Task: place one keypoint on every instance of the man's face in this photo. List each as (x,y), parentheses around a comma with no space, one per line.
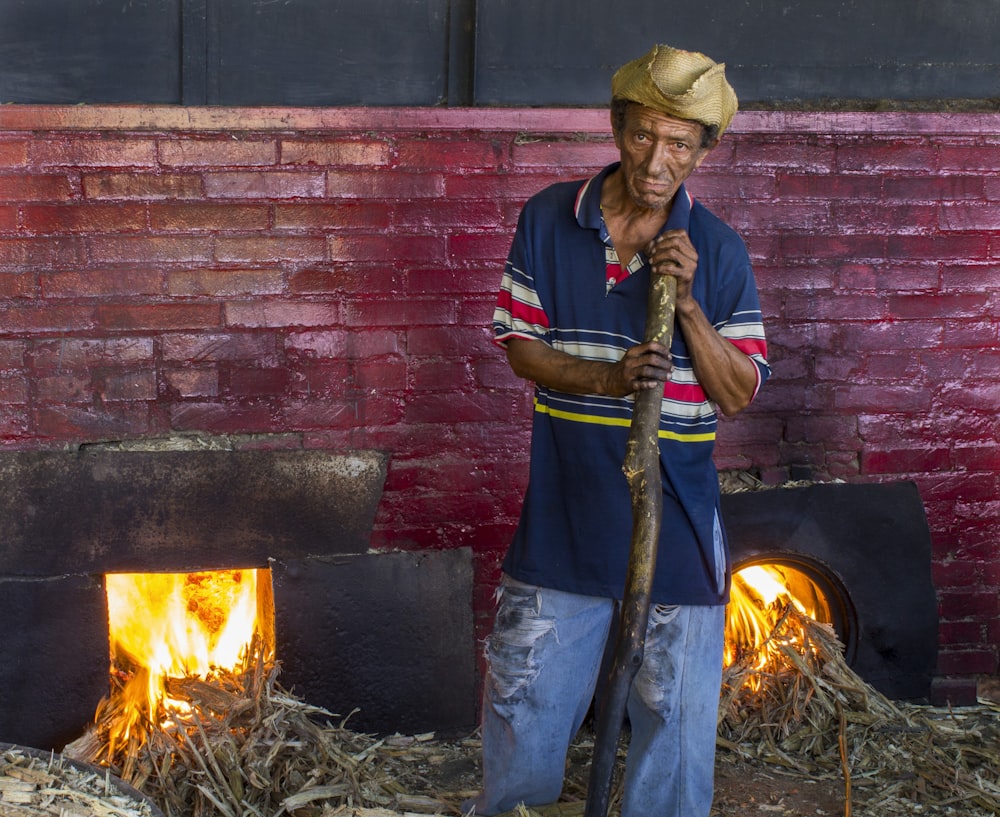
(658,152)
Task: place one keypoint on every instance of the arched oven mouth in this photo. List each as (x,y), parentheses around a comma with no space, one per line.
(866,548)
(810,581)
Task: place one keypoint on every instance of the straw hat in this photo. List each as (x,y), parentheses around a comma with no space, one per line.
(684,84)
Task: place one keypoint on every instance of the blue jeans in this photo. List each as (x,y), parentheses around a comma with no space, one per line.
(544,662)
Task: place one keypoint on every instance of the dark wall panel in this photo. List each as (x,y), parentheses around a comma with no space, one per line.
(563,52)
(328,52)
(69,51)
(486,52)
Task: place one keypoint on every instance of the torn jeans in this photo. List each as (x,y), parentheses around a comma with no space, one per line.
(545,657)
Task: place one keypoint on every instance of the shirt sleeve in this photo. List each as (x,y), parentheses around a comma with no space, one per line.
(519,312)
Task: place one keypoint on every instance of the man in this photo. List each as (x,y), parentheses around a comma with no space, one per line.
(571,316)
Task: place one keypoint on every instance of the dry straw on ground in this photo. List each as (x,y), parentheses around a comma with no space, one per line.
(248,748)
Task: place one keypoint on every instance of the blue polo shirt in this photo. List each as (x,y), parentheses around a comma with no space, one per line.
(563,285)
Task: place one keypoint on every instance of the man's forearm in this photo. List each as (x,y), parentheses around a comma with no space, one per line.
(642,367)
(728,377)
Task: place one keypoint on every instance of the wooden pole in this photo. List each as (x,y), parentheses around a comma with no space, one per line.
(642,470)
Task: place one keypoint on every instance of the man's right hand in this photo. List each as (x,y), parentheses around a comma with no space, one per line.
(646,366)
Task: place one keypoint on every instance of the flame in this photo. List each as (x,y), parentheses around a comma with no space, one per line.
(174,625)
(760,595)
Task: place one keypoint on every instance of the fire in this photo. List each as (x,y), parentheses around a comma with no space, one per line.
(760,595)
(175,625)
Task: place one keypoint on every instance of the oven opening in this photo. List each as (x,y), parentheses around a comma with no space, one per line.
(765,588)
(167,628)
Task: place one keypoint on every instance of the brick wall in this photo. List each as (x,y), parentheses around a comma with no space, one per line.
(324,279)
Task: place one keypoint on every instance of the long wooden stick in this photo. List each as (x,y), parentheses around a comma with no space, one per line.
(642,470)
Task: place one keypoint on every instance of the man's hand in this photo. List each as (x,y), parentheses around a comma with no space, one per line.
(645,366)
(671,253)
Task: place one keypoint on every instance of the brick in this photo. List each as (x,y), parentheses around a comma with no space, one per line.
(270,248)
(341,343)
(14,423)
(18,284)
(788,153)
(264,185)
(141,186)
(432,153)
(383,186)
(743,186)
(158,317)
(217,152)
(256,381)
(27,320)
(476,246)
(974,397)
(14,389)
(877,156)
(53,251)
(225,282)
(192,382)
(126,386)
(324,378)
(8,218)
(399,313)
(261,347)
(969,217)
(501,187)
(364,153)
(86,218)
(222,418)
(347,215)
(280,314)
(440,213)
(94,152)
(940,247)
(858,307)
(113,421)
(82,353)
(99,283)
(147,249)
(969,276)
(838,247)
(963,158)
(456,408)
(13,153)
(381,376)
(386,248)
(343,413)
(828,187)
(442,375)
(187,217)
(12,353)
(883,398)
(71,387)
(559,154)
(906,460)
(954,306)
(879,217)
(935,188)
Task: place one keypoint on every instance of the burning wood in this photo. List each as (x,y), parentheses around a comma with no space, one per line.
(232,743)
(803,709)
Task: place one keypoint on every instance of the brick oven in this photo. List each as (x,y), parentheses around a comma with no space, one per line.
(387,634)
(322,280)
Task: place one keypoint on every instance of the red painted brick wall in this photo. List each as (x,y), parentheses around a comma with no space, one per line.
(324,279)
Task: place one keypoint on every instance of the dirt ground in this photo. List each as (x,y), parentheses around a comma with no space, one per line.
(743,788)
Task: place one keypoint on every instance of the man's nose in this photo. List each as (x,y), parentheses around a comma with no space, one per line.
(659,160)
